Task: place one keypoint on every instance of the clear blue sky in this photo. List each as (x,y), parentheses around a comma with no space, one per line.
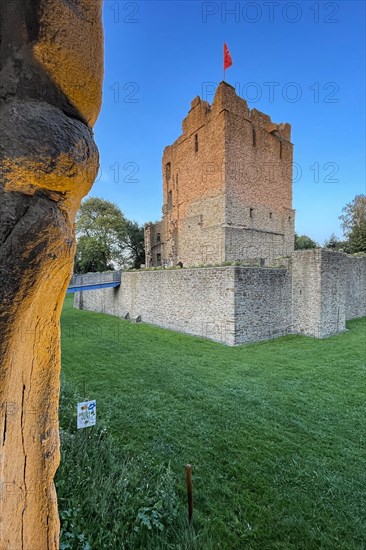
(160,55)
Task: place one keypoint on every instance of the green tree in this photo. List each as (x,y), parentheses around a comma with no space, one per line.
(100,230)
(335,244)
(332,242)
(354,224)
(91,255)
(134,243)
(303,242)
(106,240)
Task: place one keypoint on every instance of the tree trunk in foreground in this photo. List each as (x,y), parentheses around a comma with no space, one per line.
(51,62)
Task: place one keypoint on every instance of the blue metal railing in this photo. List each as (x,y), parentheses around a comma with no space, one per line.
(94,281)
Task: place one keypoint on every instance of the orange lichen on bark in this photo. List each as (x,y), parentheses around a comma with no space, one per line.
(76,67)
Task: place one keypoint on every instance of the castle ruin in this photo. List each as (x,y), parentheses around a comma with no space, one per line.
(227,199)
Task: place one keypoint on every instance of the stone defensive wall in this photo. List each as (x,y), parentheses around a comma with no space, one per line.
(314,294)
(328,288)
(226,304)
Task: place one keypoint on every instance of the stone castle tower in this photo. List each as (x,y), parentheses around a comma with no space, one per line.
(227,188)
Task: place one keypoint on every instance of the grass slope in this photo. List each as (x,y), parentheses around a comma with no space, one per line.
(274,431)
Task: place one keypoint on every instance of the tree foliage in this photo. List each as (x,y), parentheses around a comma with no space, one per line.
(303,242)
(353,222)
(134,243)
(105,238)
(92,255)
(333,243)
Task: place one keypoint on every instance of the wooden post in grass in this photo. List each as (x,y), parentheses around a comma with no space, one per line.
(189,492)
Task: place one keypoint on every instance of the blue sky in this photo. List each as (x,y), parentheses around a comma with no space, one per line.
(300,62)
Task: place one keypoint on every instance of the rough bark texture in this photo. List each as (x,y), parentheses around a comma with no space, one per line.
(51,62)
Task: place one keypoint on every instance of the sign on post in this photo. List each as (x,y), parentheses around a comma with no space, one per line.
(86,414)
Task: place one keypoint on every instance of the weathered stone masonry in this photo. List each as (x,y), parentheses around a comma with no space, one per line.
(328,288)
(206,302)
(317,292)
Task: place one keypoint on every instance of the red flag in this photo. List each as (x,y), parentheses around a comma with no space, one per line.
(227,58)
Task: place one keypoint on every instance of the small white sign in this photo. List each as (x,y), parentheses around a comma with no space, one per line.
(87,414)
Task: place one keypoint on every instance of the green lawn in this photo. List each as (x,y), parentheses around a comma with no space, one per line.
(275,433)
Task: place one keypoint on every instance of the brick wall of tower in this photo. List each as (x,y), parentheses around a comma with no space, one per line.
(193,193)
(258,177)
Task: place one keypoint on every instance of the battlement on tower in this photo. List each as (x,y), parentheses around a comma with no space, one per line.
(226,99)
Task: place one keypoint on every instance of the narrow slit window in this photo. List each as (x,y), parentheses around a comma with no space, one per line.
(270,215)
(251,210)
(196,143)
(158,239)
(254,138)
(167,171)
